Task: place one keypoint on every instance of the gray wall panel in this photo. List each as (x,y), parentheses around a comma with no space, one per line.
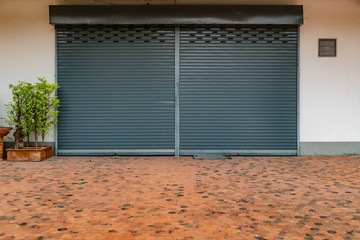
(329,148)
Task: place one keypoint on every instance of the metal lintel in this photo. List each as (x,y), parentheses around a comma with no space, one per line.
(177,14)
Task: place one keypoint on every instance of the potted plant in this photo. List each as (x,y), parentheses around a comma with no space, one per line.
(33,110)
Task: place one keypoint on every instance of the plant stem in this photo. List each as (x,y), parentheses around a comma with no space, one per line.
(43,138)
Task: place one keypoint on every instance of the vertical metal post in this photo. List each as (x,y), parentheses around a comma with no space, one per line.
(298,91)
(177,91)
(56,67)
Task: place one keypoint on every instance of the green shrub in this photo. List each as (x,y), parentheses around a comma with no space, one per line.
(33,110)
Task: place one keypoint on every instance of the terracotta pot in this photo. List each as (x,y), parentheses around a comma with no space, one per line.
(4,131)
(29,154)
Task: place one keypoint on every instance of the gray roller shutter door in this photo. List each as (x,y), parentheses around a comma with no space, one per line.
(116,90)
(238,90)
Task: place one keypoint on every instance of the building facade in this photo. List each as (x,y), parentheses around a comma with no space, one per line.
(191,77)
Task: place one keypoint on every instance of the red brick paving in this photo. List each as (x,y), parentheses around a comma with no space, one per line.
(181,198)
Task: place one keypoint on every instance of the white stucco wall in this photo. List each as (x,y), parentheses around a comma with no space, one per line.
(27,45)
(329,87)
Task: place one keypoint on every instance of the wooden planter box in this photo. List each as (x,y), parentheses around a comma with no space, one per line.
(29,154)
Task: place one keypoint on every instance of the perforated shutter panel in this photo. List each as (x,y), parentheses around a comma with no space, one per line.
(238,90)
(116,90)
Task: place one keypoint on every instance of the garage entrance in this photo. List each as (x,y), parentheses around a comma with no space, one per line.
(238,90)
(116,90)
(161,89)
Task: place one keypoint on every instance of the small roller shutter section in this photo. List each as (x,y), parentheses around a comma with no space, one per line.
(238,90)
(116,90)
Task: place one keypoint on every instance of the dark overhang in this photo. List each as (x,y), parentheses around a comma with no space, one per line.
(177,14)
